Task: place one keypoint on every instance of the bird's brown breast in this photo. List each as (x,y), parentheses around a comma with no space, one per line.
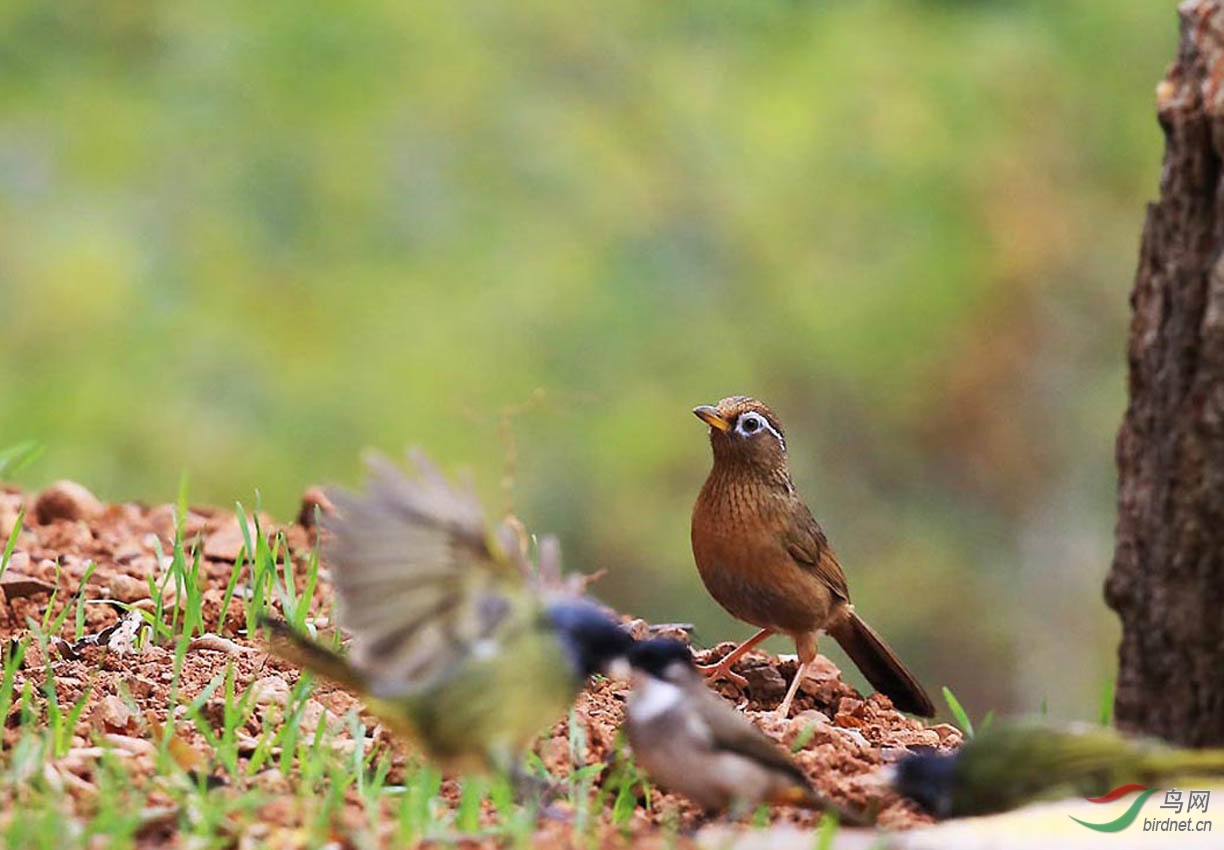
(742,534)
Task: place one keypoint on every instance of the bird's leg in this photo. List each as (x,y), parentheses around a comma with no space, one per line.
(722,669)
(805,646)
(784,708)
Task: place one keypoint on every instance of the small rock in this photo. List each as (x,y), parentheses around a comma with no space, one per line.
(19,562)
(313,498)
(162,518)
(857,737)
(216,643)
(18,586)
(314,713)
(8,519)
(127,589)
(129,744)
(113,715)
(811,725)
(270,690)
(920,738)
(125,553)
(675,631)
(140,687)
(65,500)
(846,720)
(948,734)
(821,669)
(850,706)
(227,541)
(765,683)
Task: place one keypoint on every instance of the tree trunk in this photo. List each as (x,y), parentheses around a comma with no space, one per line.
(1167,579)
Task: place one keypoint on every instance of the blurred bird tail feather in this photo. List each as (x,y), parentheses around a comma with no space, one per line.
(880,665)
(297,648)
(1186,763)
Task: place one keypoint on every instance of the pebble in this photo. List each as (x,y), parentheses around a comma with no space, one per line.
(227,541)
(314,713)
(66,500)
(270,690)
(112,715)
(765,682)
(125,588)
(19,562)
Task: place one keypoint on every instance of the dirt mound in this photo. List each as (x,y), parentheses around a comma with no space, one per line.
(73,552)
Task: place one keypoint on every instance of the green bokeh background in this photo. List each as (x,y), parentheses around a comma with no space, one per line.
(246,240)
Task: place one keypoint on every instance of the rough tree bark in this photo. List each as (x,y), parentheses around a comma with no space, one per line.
(1167,579)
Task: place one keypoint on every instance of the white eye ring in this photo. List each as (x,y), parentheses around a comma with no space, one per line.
(759,424)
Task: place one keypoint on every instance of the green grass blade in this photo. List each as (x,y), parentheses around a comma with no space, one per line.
(958,712)
(17,457)
(11,543)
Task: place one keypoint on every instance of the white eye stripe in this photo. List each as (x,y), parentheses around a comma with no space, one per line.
(760,423)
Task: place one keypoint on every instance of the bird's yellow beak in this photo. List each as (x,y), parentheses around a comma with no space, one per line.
(710,416)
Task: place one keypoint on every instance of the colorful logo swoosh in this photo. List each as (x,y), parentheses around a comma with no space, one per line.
(1120,791)
(1127,817)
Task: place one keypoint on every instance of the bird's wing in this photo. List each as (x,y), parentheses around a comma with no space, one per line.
(421,580)
(807,544)
(732,732)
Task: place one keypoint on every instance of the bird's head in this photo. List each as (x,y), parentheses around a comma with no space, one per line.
(744,431)
(662,658)
(929,779)
(592,640)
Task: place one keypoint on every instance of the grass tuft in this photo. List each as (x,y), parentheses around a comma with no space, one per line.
(958,712)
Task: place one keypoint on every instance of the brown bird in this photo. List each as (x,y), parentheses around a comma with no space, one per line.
(766,560)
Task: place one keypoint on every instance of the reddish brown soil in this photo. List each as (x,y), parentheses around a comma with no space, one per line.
(851,739)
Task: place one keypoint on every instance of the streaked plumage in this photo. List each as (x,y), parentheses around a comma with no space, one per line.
(764,558)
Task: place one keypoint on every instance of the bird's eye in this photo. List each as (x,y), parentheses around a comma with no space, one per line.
(750,423)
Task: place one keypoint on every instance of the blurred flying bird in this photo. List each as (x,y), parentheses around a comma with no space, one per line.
(765,559)
(457,643)
(691,741)
(1014,763)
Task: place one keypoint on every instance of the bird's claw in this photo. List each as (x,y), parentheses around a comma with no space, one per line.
(722,670)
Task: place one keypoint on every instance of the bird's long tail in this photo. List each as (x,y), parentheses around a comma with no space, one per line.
(880,664)
(1184,763)
(298,649)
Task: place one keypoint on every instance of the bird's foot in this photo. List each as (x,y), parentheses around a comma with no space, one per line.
(784,709)
(722,670)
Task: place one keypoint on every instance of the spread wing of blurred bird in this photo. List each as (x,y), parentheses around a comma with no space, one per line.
(456,642)
(1013,763)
